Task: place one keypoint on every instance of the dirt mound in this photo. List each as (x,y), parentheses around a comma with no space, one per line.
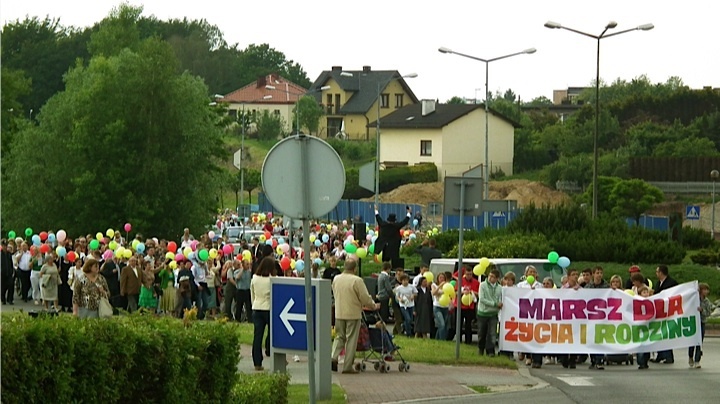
(523,191)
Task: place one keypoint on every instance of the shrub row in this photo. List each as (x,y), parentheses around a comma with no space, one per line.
(389,179)
(695,239)
(506,246)
(261,388)
(129,359)
(705,256)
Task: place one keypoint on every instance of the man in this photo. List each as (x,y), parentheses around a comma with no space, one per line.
(596,282)
(187,239)
(110,272)
(586,277)
(202,297)
(24,267)
(385,291)
(489,305)
(397,314)
(130,283)
(665,282)
(351,295)
(428,251)
(388,241)
(331,272)
(420,275)
(7,268)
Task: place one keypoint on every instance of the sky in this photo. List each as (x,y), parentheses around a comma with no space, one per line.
(405,35)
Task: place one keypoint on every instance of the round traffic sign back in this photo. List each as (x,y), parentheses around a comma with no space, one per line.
(303,170)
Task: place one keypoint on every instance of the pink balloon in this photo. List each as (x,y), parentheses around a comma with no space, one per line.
(107,254)
(128,227)
(61,236)
(211,234)
(179,257)
(194,245)
(269,215)
(285,247)
(227,249)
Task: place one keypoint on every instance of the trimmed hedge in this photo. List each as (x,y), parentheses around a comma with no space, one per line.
(506,246)
(695,239)
(261,388)
(127,359)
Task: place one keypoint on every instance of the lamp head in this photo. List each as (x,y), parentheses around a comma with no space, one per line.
(646,27)
(323,88)
(552,25)
(714,174)
(267,97)
(410,76)
(346,74)
(443,49)
(611,25)
(218,96)
(530,51)
(269,87)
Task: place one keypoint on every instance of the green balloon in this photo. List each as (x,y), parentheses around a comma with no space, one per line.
(350,248)
(94,245)
(203,255)
(553,257)
(28,232)
(371,250)
(11,234)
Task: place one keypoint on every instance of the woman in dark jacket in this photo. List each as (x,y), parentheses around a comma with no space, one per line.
(423,310)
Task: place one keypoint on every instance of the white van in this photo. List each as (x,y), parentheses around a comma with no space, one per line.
(504,265)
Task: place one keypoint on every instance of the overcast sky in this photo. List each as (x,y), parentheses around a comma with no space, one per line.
(404,35)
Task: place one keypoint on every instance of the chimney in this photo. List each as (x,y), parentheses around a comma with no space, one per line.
(337,68)
(428,107)
(261,82)
(366,69)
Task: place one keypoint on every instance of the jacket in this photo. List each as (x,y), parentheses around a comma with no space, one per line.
(351,295)
(385,289)
(130,283)
(388,240)
(490,297)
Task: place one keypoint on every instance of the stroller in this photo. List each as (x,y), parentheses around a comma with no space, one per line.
(378,345)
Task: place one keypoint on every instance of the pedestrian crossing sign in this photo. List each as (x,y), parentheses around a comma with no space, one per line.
(692,212)
(498,214)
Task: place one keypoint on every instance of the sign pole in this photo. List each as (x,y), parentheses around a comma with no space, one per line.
(458,305)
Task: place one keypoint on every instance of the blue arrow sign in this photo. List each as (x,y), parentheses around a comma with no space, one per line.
(288,316)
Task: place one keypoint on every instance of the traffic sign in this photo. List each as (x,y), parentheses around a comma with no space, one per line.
(288,316)
(237,159)
(498,214)
(692,212)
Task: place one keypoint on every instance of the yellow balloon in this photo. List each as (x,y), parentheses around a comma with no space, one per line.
(246,255)
(135,244)
(262,238)
(169,255)
(120,252)
(478,270)
(187,251)
(650,284)
(312,238)
(173,264)
(484,263)
(444,300)
(467,300)
(127,253)
(630,292)
(213,253)
(110,233)
(429,276)
(99,236)
(292,264)
(361,252)
(279,250)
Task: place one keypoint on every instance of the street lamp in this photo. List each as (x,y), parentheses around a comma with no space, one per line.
(380,86)
(486,169)
(714,174)
(610,25)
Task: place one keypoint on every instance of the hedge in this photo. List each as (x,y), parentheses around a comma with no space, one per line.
(261,388)
(128,359)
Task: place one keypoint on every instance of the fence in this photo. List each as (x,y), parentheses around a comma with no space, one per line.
(660,223)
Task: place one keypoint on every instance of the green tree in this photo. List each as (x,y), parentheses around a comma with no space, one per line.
(456,100)
(117,31)
(310,114)
(270,126)
(605,188)
(253,181)
(15,85)
(632,198)
(687,147)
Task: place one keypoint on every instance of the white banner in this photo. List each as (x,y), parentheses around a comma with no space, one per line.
(599,321)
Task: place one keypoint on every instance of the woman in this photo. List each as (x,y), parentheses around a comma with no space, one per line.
(88,290)
(147,298)
(260,296)
(49,281)
(167,284)
(440,313)
(616,282)
(36,262)
(65,288)
(211,308)
(423,310)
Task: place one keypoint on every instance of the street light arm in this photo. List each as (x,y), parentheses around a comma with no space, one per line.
(645,27)
(526,51)
(446,50)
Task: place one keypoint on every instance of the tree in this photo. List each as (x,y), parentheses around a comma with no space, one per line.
(310,114)
(253,180)
(605,188)
(116,32)
(15,85)
(456,100)
(270,126)
(687,147)
(128,140)
(632,198)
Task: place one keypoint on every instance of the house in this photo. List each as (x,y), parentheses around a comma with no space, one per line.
(450,135)
(352,100)
(271,92)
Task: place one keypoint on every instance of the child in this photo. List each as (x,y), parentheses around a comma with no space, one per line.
(706,308)
(405,294)
(642,357)
(148,298)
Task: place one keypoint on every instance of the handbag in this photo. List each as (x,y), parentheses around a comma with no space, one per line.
(104,308)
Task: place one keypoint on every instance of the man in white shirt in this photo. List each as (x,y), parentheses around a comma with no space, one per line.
(202,298)
(24,267)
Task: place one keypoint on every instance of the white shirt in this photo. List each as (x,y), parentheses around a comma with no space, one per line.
(526,285)
(24,261)
(404,293)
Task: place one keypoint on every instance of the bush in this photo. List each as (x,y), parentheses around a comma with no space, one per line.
(129,359)
(704,257)
(261,388)
(392,178)
(506,246)
(695,239)
(547,220)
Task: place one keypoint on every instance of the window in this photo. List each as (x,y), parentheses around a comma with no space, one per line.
(329,104)
(384,100)
(276,112)
(233,113)
(426,147)
(333,126)
(398,100)
(337,104)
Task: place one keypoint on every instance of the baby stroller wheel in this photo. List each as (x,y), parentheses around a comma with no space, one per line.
(401,367)
(407,367)
(358,367)
(376,366)
(363,367)
(387,368)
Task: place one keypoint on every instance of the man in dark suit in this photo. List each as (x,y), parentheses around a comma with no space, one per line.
(388,241)
(664,282)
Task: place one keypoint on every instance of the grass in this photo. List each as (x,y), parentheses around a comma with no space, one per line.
(298,393)
(713,321)
(481,389)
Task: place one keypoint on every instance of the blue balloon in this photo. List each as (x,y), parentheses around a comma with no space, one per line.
(371,233)
(51,237)
(317,243)
(36,240)
(373,239)
(299,266)
(415,222)
(281,240)
(318,261)
(268,241)
(325,238)
(191,256)
(412,236)
(140,248)
(61,252)
(563,262)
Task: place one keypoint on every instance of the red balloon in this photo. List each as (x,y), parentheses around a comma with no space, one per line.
(44,248)
(268,235)
(274,242)
(239,257)
(285,263)
(172,247)
(228,249)
(71,256)
(32,249)
(43,235)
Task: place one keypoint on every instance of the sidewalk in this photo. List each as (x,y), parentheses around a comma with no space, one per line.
(421,382)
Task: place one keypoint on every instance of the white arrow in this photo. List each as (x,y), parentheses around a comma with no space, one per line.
(286,316)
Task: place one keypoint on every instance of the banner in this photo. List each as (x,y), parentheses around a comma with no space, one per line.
(599,321)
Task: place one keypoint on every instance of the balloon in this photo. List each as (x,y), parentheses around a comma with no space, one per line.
(448,289)
(194,244)
(211,234)
(51,237)
(192,256)
(484,263)
(128,227)
(43,235)
(478,270)
(379,258)
(11,234)
(300,266)
(406,233)
(45,248)
(284,248)
(553,257)
(172,247)
(563,262)
(317,243)
(415,222)
(227,249)
(213,253)
(61,236)
(110,233)
(36,240)
(71,256)
(262,238)
(28,232)
(94,245)
(173,264)
(434,229)
(630,292)
(279,250)
(107,254)
(187,251)
(292,263)
(325,238)
(453,282)
(113,245)
(350,248)
(281,240)
(531,280)
(120,252)
(318,261)
(269,242)
(140,248)
(413,236)
(135,243)
(650,284)
(61,251)
(467,299)
(262,216)
(269,215)
(169,256)
(361,253)
(246,255)
(98,236)
(372,240)
(444,300)
(267,235)
(203,255)
(371,249)
(179,257)
(312,238)
(285,263)
(429,276)
(127,254)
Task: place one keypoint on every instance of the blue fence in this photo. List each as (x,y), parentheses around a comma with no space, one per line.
(660,223)
(349,209)
(498,220)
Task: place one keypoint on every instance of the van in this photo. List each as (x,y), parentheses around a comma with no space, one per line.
(505,265)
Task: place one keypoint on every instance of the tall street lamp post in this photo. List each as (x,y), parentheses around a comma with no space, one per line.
(610,25)
(714,174)
(380,87)
(486,169)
